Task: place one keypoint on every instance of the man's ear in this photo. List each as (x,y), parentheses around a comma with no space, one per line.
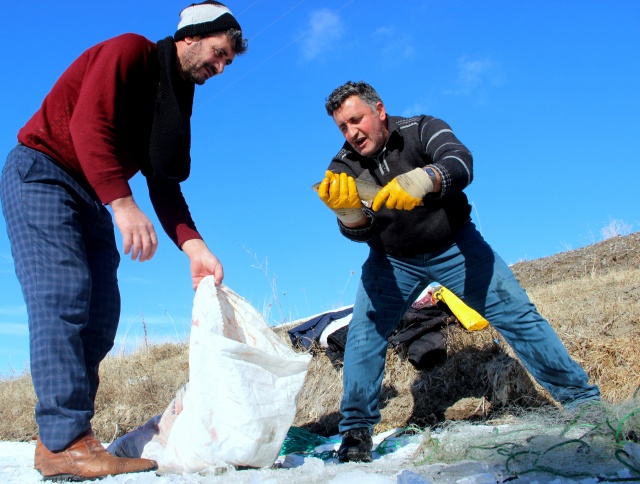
(192,40)
(381,111)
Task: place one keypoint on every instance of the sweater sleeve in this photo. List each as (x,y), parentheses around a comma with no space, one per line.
(447,154)
(172,210)
(361,234)
(113,71)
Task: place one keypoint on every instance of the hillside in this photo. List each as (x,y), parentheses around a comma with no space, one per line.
(591,296)
(615,254)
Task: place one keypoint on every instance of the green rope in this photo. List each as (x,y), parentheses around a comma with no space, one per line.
(301,441)
(605,432)
(622,421)
(427,458)
(543,468)
(388,446)
(618,453)
(599,437)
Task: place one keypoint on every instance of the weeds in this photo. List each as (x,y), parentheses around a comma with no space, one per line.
(615,228)
(596,314)
(273,286)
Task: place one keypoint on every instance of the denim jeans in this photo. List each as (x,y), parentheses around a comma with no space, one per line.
(477,275)
(63,245)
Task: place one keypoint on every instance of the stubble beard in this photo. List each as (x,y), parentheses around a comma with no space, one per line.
(190,68)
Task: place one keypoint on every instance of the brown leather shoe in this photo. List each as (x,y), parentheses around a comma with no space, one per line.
(38,455)
(85,458)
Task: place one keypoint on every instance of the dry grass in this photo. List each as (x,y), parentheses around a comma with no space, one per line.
(17,401)
(591,296)
(136,387)
(132,389)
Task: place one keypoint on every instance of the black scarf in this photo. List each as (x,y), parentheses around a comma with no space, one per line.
(170,142)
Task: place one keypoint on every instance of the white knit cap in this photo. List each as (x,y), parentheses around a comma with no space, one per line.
(205,18)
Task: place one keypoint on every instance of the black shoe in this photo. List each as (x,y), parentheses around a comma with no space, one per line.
(356,446)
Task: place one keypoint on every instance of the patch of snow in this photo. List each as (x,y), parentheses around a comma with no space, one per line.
(394,462)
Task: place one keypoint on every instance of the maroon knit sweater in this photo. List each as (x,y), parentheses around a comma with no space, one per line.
(96,123)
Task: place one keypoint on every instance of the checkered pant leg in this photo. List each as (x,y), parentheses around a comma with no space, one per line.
(63,245)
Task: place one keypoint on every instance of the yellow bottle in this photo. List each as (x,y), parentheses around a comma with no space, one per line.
(469,318)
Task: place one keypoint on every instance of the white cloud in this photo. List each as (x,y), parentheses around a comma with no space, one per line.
(473,72)
(396,46)
(414,110)
(385,31)
(475,76)
(324,31)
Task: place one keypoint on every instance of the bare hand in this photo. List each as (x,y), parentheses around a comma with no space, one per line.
(203,262)
(138,235)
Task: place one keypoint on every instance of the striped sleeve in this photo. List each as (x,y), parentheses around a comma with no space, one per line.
(447,154)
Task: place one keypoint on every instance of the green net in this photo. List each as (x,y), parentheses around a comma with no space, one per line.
(594,441)
(299,440)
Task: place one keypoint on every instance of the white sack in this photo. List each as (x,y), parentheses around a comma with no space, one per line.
(243,385)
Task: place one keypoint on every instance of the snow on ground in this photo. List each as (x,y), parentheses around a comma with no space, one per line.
(396,465)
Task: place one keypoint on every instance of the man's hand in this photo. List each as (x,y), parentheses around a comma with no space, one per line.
(138,235)
(404,192)
(338,191)
(203,262)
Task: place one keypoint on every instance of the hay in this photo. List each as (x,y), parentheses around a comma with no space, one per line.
(595,309)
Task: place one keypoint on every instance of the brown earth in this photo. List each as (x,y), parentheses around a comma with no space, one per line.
(615,254)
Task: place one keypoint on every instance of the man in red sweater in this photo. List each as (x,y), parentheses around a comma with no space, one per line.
(123,106)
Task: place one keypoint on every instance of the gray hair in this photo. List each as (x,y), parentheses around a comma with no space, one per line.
(361,89)
(240,44)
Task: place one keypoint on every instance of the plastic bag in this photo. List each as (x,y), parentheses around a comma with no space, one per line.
(241,398)
(425,299)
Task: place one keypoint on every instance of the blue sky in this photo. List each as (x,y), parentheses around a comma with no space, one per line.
(545,94)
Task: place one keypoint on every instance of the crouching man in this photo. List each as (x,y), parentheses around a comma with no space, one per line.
(419,230)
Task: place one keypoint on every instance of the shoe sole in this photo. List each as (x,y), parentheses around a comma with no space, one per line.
(350,458)
(70,478)
(74,478)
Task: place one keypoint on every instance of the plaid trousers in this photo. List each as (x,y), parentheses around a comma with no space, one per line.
(66,259)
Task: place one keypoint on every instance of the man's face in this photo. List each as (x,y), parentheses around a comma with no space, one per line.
(206,57)
(364,129)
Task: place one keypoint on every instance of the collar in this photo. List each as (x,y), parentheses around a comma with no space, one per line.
(394,132)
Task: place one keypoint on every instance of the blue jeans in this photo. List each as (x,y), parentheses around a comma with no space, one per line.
(476,274)
(63,245)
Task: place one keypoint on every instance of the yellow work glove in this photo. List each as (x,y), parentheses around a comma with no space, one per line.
(404,192)
(338,191)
